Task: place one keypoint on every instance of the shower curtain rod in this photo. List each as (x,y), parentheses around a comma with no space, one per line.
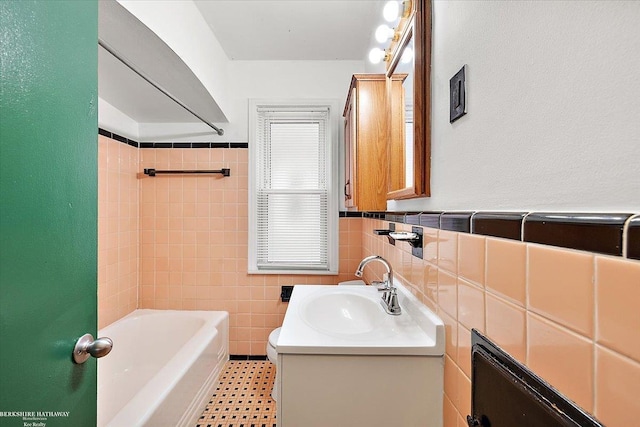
(109,49)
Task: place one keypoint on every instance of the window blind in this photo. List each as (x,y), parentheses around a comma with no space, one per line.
(292,192)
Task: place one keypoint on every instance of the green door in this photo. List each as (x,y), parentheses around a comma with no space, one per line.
(48,210)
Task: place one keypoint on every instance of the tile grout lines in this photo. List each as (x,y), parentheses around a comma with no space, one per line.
(242,397)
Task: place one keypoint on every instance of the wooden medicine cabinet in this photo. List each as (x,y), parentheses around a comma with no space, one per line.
(366,135)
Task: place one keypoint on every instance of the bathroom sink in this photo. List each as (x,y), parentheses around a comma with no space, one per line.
(339,346)
(342,311)
(323,319)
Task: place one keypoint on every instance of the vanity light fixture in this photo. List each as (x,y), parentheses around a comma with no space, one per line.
(391,12)
(396,9)
(376,55)
(385,33)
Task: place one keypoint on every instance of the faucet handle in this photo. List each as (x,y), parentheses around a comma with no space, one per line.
(393,307)
(381,286)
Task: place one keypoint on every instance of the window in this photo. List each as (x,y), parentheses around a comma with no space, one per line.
(293,207)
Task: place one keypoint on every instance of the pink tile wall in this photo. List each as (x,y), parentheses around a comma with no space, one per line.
(117,230)
(193,235)
(570,316)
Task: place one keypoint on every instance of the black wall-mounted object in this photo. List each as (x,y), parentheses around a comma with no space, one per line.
(504,393)
(457,95)
(285,293)
(154,172)
(416,250)
(383,232)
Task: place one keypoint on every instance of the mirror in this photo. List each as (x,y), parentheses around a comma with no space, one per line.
(409,94)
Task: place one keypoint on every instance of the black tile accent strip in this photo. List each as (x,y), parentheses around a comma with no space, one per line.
(507,225)
(633,238)
(351,214)
(133,143)
(194,145)
(374,215)
(412,218)
(162,145)
(394,217)
(217,145)
(117,137)
(456,221)
(601,233)
(247,357)
(257,357)
(430,219)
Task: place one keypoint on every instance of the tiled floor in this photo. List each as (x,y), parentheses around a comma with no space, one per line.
(242,397)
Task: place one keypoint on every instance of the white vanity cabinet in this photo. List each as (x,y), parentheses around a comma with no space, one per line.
(388,374)
(355,390)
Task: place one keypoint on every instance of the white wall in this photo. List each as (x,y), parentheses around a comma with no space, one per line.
(259,80)
(114,120)
(553,97)
(284,80)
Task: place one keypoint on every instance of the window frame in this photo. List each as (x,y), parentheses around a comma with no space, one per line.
(333,134)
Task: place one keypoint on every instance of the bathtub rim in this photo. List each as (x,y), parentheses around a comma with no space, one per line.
(162,383)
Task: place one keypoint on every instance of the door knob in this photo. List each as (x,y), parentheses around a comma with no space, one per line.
(86,346)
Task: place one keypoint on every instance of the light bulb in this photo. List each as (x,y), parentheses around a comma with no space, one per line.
(375,55)
(391,11)
(407,55)
(383,33)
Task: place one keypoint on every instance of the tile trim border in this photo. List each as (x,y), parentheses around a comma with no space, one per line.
(194,145)
(616,234)
(124,140)
(118,138)
(601,233)
(456,221)
(349,214)
(507,225)
(632,237)
(247,357)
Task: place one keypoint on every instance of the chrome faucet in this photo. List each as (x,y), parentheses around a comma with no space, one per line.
(390,295)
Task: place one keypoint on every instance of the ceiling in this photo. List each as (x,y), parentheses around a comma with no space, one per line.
(246,30)
(128,91)
(293,29)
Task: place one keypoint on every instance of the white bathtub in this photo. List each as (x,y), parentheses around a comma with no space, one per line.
(163,367)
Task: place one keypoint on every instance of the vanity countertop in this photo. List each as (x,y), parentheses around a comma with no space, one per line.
(325,319)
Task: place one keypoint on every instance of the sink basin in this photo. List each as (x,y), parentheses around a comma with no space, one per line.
(334,320)
(342,312)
